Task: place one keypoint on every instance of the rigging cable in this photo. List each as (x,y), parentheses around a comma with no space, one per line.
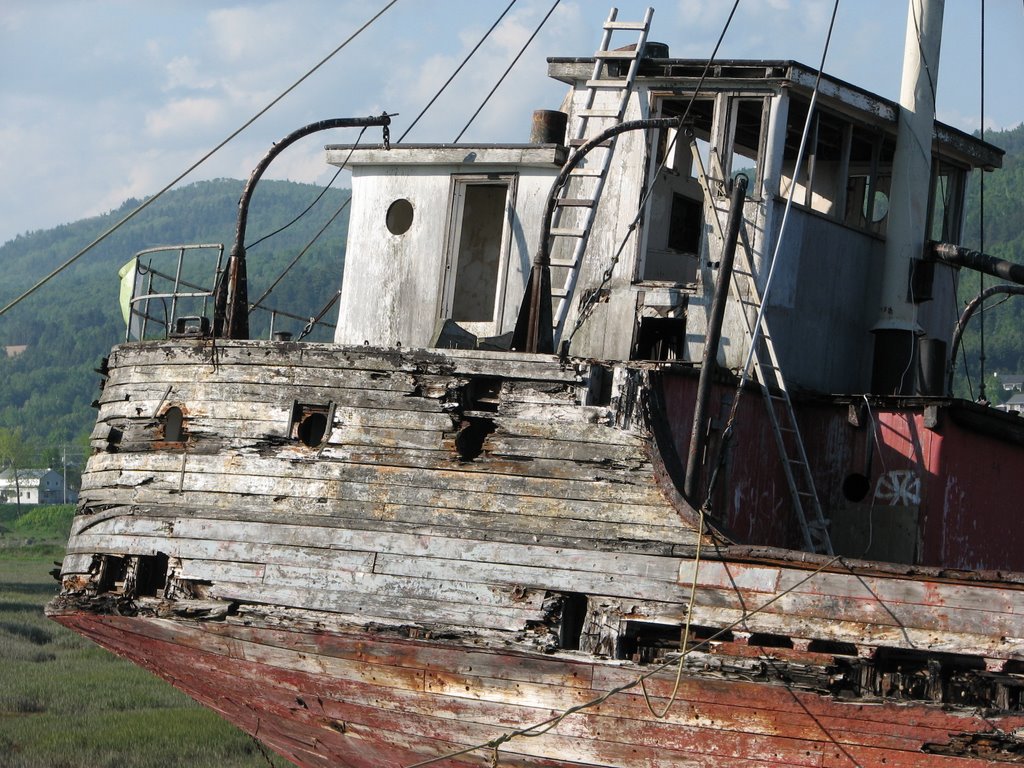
(134,212)
(981,220)
(308,208)
(586,306)
(542,727)
(506,72)
(745,373)
(456,72)
(258,303)
(344,205)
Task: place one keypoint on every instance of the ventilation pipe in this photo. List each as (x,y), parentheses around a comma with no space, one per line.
(896,328)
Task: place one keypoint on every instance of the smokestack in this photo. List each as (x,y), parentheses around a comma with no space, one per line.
(896,328)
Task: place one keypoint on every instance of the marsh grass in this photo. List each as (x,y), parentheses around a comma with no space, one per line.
(66,703)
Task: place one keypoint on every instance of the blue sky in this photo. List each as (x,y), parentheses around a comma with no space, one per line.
(110,99)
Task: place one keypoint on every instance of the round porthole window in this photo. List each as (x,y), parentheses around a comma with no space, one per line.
(880,209)
(399,217)
(312,429)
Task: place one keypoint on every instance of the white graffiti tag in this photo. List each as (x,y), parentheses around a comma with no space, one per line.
(898,486)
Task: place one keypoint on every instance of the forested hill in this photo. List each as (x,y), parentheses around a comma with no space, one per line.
(72,322)
(1003,237)
(69,324)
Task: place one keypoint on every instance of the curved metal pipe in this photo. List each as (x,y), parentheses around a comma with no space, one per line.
(231,311)
(961,324)
(534,332)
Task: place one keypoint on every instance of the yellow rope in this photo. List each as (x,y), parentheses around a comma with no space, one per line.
(686,632)
(539,729)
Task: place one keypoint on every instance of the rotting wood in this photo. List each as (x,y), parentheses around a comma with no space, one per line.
(387,572)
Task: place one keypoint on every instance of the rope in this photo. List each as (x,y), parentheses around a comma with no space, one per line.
(134,212)
(457,70)
(507,70)
(686,633)
(544,726)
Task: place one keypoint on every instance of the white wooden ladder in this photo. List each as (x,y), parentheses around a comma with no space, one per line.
(743,286)
(576,204)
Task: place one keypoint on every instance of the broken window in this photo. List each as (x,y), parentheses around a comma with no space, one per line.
(174,430)
(151,575)
(746,123)
(113,570)
(944,215)
(822,173)
(675,212)
(478,244)
(846,169)
(868,181)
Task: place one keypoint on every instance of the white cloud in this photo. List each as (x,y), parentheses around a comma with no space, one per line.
(184,72)
(139,91)
(183,117)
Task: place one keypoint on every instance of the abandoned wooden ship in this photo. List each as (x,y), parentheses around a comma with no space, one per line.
(569,529)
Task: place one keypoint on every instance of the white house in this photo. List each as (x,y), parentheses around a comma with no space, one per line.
(37,486)
(1012,382)
(1014,405)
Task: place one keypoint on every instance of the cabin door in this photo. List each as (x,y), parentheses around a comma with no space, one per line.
(476,262)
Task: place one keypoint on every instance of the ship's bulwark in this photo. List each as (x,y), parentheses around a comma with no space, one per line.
(373,558)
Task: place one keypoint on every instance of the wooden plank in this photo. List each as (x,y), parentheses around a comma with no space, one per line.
(212,538)
(426,520)
(374,607)
(363,393)
(550,578)
(383,502)
(331,356)
(564,527)
(280,476)
(467,706)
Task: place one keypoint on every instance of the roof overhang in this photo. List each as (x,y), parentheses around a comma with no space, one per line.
(520,155)
(773,76)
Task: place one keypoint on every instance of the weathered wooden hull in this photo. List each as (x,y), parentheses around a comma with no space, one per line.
(325,699)
(376,558)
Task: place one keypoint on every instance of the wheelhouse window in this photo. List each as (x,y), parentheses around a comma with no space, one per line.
(746,128)
(945,213)
(477,257)
(846,170)
(675,214)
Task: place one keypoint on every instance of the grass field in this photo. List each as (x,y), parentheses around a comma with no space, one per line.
(65,702)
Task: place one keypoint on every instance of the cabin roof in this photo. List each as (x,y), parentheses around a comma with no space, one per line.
(541,155)
(774,75)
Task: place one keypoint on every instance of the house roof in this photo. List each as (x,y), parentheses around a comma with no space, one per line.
(25,475)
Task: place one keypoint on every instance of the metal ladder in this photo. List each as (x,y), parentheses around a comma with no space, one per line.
(743,286)
(583,190)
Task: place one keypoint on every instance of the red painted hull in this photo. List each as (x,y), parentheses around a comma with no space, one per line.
(323,699)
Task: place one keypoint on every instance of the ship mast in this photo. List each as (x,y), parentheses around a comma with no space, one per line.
(896,329)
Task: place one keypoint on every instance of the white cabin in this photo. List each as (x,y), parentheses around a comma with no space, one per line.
(448,232)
